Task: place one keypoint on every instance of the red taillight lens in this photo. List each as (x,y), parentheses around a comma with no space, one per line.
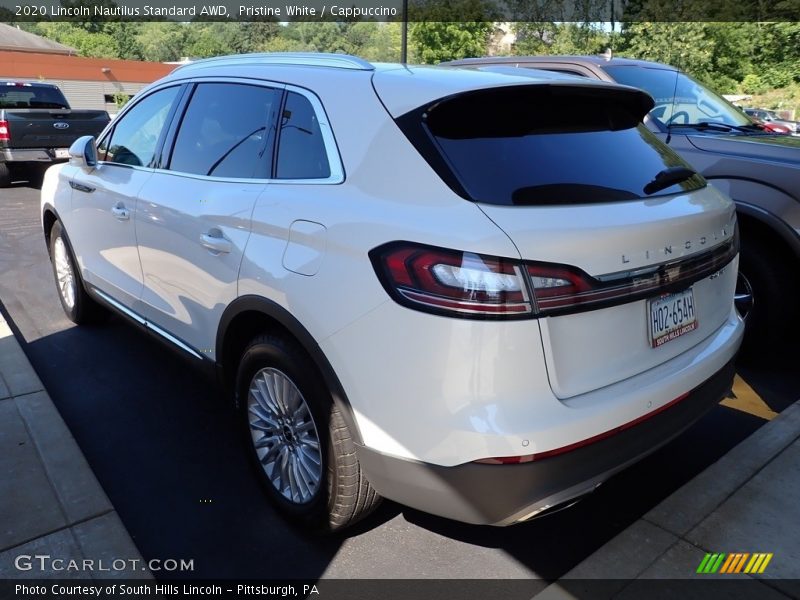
(472,285)
(5,132)
(450,282)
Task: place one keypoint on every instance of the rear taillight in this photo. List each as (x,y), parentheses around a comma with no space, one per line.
(450,282)
(470,285)
(5,132)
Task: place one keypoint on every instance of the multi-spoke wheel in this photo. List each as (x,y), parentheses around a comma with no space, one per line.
(77,304)
(302,449)
(65,279)
(743,297)
(284,435)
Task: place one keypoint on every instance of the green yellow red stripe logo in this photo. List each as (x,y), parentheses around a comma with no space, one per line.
(735,562)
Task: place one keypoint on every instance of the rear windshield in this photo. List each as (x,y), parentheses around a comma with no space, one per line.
(20,95)
(543,145)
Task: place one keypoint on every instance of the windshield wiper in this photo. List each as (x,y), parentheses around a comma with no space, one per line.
(668,177)
(714,126)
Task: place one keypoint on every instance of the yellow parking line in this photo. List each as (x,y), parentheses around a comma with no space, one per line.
(745,398)
(752,562)
(765,563)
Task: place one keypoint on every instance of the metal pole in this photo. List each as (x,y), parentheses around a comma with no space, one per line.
(404,34)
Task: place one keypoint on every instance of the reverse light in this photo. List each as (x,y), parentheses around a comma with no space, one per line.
(450,282)
(5,131)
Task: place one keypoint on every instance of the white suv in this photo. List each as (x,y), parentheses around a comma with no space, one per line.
(474,293)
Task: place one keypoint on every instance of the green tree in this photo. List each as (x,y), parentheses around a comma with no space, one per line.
(213,39)
(124,36)
(162,42)
(434,42)
(100,45)
(682,45)
(449,29)
(257,33)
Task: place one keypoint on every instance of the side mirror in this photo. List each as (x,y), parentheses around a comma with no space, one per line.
(83,152)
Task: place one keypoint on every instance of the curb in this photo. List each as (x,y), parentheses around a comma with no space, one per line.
(669,541)
(51,501)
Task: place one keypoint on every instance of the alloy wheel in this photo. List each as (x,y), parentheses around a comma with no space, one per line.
(284,436)
(64,274)
(743,296)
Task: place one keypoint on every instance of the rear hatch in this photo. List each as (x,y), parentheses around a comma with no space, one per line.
(38,116)
(631,256)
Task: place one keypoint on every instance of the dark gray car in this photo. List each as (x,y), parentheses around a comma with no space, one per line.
(760,171)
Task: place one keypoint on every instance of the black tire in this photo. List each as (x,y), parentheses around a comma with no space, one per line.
(35,175)
(5,175)
(81,308)
(769,325)
(343,495)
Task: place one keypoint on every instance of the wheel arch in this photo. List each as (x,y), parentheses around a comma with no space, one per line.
(768,228)
(248,315)
(49,217)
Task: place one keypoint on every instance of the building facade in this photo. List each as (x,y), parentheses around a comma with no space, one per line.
(88,83)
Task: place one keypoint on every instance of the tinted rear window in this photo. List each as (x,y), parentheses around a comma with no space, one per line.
(31,96)
(543,145)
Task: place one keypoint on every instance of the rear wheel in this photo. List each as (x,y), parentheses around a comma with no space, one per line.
(764,289)
(5,175)
(35,175)
(299,443)
(79,307)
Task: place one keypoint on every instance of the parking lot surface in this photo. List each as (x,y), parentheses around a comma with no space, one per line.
(166,451)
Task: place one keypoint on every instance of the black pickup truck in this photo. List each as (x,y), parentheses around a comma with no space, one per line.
(37,127)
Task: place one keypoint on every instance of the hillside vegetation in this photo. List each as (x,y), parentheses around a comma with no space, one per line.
(759,59)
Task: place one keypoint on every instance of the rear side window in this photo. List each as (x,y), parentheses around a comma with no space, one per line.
(134,138)
(227,131)
(21,95)
(543,145)
(301,149)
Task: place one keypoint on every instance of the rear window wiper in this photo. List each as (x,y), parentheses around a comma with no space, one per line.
(668,177)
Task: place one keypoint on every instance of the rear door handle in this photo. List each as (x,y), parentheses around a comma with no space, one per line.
(214,241)
(120,212)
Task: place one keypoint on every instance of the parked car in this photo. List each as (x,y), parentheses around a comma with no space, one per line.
(760,171)
(412,285)
(37,127)
(771,118)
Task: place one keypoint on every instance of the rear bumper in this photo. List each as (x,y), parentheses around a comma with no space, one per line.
(505,494)
(27,155)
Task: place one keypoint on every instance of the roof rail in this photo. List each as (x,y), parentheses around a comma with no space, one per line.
(309,59)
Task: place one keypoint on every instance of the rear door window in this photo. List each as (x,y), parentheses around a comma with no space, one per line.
(227,131)
(301,148)
(543,145)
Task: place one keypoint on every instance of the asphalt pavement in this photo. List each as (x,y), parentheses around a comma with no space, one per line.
(167,453)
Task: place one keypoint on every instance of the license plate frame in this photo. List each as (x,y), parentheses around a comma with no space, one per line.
(671,316)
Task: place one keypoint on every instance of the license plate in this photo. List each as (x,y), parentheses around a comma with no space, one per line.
(62,153)
(671,316)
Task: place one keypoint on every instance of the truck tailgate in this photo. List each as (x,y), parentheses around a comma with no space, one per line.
(51,128)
